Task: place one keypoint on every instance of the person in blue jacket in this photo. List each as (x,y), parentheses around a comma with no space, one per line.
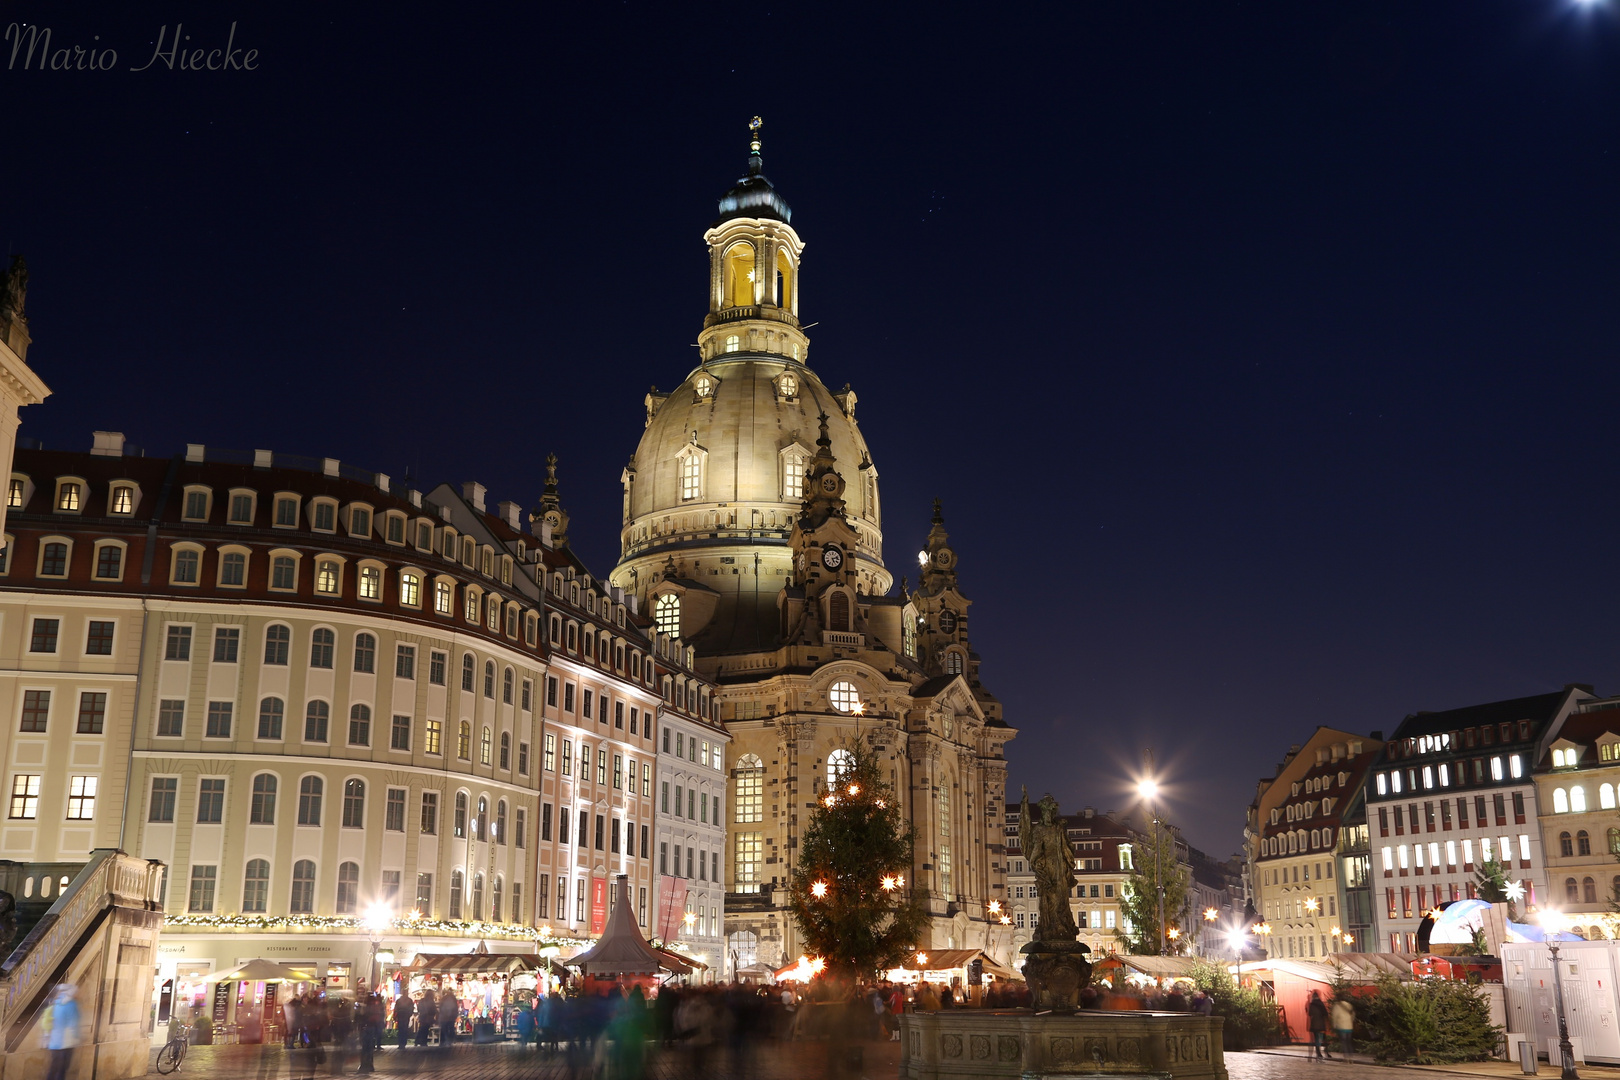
(62,1033)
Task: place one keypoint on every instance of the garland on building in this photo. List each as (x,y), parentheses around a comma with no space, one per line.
(345,924)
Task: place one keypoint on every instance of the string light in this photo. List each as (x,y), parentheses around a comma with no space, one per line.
(854,789)
(832,800)
(889,883)
(818,890)
(1210,914)
(414,923)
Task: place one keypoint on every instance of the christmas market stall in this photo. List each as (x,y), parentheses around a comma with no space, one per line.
(490,987)
(621,956)
(952,967)
(246,1000)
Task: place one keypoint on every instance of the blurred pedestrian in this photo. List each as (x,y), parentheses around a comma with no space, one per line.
(427,1016)
(62,1031)
(1344,1023)
(1316,1022)
(404,1009)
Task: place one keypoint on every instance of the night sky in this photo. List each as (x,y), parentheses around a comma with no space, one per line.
(1263,354)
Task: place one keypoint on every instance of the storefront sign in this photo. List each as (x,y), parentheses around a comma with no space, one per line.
(165,1001)
(598,904)
(222,1002)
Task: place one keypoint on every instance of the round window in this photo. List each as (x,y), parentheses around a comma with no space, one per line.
(844,697)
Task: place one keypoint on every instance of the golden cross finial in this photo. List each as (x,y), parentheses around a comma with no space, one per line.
(753,134)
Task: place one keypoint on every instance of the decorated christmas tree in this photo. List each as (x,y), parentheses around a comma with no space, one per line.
(850,894)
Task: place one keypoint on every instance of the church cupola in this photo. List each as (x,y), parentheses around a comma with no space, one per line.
(551,514)
(937,561)
(754,257)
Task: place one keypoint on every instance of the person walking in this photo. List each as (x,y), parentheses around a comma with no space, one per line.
(1344,1023)
(449,1010)
(62,1038)
(1316,1022)
(404,1009)
(427,1015)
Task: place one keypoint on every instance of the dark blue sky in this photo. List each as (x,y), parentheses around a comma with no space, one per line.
(1263,354)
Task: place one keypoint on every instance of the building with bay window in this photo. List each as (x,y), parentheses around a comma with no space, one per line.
(1578,788)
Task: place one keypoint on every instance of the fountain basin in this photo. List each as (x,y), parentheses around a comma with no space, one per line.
(1019,1044)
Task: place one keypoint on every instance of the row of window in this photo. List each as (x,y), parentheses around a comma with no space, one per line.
(1397,781)
(1404,857)
(623,778)
(301,895)
(1402,814)
(1461,739)
(322,513)
(1297,840)
(25,796)
(1572,800)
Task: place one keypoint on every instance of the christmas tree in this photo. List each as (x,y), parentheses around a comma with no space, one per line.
(849,894)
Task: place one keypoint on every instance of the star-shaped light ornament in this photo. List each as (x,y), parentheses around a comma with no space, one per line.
(1515,891)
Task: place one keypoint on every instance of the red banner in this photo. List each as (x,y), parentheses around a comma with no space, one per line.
(599,888)
(671,906)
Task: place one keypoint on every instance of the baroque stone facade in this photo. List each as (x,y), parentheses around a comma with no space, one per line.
(752,530)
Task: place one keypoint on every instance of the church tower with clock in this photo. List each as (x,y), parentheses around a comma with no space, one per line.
(752,533)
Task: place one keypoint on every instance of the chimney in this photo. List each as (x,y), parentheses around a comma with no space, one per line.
(1376,736)
(635,605)
(329,466)
(617,594)
(196,451)
(509,511)
(382,481)
(473,492)
(263,459)
(415,497)
(545,533)
(107,443)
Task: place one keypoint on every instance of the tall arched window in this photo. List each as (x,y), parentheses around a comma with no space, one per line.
(321,644)
(748,790)
(489,679)
(739,275)
(667,614)
(464,741)
(744,946)
(271,711)
(461,814)
(839,763)
(360,725)
(1572,892)
(365,653)
(317,718)
(1606,797)
(838,611)
(506,687)
(1577,799)
(1614,841)
(309,800)
(277,642)
(354,804)
(262,809)
(506,750)
(485,747)
(478,896)
(1566,845)
(255,887)
(1583,843)
(953,662)
(468,666)
(500,824)
(944,852)
(348,891)
(1588,891)
(302,901)
(495,900)
(1560,801)
(455,894)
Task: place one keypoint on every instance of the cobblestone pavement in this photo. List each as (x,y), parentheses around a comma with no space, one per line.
(771,1061)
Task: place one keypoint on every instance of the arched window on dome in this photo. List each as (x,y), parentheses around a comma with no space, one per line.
(739,275)
(794,460)
(689,470)
(839,762)
(667,614)
(953,662)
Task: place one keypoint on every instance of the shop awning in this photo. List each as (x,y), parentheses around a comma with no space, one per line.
(260,971)
(957,959)
(679,964)
(474,963)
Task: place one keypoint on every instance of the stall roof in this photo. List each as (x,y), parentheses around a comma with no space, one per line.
(621,950)
(951,959)
(1356,967)
(1160,967)
(475,963)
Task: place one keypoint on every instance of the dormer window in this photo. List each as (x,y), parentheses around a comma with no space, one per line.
(324,516)
(197,504)
(15,495)
(424,536)
(241,508)
(286,511)
(328,577)
(69,496)
(787,386)
(123,498)
(1566,758)
(394,529)
(468,551)
(489,563)
(667,614)
(794,459)
(360,521)
(704,386)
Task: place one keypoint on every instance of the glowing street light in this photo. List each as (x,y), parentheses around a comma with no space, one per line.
(1210,914)
(1311,905)
(1552,921)
(889,883)
(818,890)
(922,958)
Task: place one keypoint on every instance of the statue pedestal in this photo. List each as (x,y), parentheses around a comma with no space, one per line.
(1056,972)
(1017,1044)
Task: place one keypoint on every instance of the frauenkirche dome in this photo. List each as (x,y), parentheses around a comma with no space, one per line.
(717,481)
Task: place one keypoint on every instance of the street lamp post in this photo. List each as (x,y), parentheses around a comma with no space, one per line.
(1551,922)
(376,921)
(1149,789)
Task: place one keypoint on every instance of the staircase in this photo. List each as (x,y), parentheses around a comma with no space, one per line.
(100,935)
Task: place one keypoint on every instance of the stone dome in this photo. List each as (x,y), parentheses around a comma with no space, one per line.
(709,495)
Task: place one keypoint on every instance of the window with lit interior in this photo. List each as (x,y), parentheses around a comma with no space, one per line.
(845,698)
(667,614)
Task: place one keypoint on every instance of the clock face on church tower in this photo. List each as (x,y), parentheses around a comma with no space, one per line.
(829,483)
(832,558)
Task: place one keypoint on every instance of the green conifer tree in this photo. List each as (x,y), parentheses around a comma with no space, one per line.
(1153,861)
(856,838)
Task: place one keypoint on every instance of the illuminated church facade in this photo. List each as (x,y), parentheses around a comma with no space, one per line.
(753,531)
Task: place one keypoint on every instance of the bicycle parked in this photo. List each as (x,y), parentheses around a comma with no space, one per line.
(174,1051)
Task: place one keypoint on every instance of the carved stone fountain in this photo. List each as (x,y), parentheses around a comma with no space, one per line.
(1057,1038)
